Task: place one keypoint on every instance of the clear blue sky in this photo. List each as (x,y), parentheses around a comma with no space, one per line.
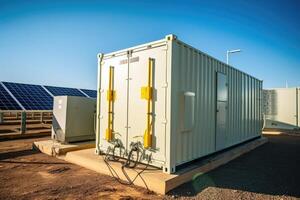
(56,42)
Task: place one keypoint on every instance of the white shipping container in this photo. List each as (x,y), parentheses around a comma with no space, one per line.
(198,105)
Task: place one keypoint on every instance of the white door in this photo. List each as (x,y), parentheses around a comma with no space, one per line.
(137,107)
(221,111)
(120,79)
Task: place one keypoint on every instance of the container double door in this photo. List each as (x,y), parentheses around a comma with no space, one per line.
(131,73)
(221,110)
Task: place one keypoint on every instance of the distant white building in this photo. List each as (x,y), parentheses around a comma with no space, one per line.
(281,108)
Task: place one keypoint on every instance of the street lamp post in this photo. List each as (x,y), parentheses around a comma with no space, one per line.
(231,51)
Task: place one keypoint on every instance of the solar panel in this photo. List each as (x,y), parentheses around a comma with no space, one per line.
(32,97)
(6,101)
(90,93)
(61,91)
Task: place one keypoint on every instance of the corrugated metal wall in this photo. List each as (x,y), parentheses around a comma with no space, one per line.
(195,72)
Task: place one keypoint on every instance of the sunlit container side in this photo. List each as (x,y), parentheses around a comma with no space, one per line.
(200,105)
(196,135)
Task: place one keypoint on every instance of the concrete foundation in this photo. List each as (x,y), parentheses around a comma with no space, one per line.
(152,178)
(54,148)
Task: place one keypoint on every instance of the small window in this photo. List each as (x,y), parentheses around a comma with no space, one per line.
(187,111)
(222,87)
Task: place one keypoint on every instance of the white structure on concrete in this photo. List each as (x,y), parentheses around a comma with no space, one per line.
(73,119)
(174,102)
(282,108)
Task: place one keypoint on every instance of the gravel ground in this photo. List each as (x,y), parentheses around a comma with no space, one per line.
(268,172)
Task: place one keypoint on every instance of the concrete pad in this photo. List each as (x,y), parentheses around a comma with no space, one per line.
(152,178)
(54,148)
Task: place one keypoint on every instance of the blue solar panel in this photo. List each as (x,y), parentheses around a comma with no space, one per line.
(90,93)
(32,97)
(61,91)
(6,101)
(35,97)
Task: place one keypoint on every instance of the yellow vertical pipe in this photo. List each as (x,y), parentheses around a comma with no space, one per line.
(109,101)
(148,135)
(112,98)
(149,99)
(109,130)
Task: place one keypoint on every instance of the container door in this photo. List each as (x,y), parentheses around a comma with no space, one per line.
(119,83)
(221,111)
(137,106)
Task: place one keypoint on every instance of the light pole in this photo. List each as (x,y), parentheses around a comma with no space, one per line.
(231,51)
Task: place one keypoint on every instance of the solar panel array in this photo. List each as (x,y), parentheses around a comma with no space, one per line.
(36,97)
(90,93)
(6,101)
(32,97)
(58,91)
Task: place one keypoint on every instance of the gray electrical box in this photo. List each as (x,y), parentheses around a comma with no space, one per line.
(73,119)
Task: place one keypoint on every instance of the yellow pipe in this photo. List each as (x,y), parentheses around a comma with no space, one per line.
(110,98)
(148,134)
(149,100)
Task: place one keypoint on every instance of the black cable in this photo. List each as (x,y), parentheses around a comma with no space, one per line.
(113,157)
(111,169)
(113,153)
(129,161)
(125,164)
(138,174)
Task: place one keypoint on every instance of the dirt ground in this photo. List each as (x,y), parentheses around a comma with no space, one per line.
(268,172)
(28,174)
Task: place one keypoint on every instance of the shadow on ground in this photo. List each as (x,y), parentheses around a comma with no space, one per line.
(6,157)
(14,154)
(270,169)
